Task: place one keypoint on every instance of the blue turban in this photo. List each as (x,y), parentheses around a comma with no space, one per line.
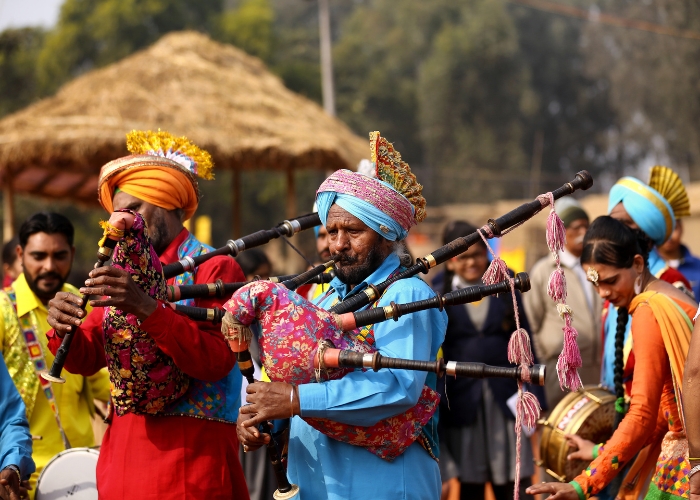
(366,212)
(374,202)
(317,229)
(646,206)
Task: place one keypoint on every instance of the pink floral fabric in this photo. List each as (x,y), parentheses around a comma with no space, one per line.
(143,378)
(291,330)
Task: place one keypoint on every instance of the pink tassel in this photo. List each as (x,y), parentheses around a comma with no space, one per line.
(569,360)
(527,412)
(556,232)
(530,408)
(496,272)
(570,350)
(556,288)
(519,350)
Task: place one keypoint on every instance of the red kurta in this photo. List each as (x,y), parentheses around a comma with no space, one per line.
(168,457)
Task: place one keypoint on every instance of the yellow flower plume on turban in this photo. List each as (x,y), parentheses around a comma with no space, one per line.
(162,171)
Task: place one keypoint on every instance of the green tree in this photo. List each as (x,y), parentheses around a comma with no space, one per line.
(473,92)
(249,27)
(93,33)
(377,64)
(443,81)
(573,112)
(654,81)
(19,50)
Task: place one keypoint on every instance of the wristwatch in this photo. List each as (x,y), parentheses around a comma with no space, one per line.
(16,469)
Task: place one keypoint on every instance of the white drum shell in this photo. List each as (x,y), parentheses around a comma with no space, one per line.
(72,474)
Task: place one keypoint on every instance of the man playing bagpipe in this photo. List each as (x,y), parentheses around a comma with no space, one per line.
(175,436)
(365,217)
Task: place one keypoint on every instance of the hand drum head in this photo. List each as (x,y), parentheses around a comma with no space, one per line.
(71,475)
(589,413)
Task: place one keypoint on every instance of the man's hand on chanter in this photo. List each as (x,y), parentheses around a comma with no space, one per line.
(117,289)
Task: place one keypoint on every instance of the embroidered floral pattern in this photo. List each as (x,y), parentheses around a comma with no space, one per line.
(292,328)
(143,378)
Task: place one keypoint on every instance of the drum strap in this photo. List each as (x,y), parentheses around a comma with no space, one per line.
(29,327)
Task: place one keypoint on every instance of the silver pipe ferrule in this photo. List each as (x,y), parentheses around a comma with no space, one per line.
(187,264)
(235,247)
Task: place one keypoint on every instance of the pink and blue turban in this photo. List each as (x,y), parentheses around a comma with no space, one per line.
(646,206)
(374,202)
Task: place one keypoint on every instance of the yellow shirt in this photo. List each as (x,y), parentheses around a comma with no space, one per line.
(74,398)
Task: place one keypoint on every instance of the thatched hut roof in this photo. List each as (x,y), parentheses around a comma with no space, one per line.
(223,99)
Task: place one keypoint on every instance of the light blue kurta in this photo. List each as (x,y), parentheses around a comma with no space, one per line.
(328,469)
(15,440)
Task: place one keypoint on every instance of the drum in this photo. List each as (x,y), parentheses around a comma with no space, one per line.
(589,413)
(72,474)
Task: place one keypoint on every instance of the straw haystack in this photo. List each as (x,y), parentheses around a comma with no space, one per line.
(223,99)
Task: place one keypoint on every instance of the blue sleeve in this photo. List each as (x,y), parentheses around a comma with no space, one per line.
(15,439)
(366,397)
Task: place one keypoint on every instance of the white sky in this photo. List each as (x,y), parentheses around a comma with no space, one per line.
(20,13)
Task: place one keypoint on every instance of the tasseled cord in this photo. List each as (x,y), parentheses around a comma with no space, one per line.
(109,231)
(570,358)
(235,332)
(519,352)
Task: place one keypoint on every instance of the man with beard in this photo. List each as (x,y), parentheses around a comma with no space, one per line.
(366,218)
(46,252)
(186,448)
(544,319)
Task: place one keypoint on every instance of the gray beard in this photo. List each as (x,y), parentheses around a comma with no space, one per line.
(358,273)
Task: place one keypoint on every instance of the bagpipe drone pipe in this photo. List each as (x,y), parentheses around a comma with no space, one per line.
(234,247)
(493,228)
(220,289)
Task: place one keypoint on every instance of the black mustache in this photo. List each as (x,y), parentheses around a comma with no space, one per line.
(345,259)
(49,275)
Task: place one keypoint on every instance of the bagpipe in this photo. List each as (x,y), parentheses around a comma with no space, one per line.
(144,380)
(301,343)
(111,236)
(324,344)
(220,289)
(234,247)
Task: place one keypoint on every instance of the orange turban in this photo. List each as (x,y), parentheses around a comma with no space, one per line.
(162,171)
(156,180)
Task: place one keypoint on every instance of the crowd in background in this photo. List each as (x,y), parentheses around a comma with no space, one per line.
(477,433)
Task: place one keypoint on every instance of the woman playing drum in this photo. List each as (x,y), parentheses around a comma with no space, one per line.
(616,265)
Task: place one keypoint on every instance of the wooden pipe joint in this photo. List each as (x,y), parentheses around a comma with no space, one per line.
(495,228)
(394,311)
